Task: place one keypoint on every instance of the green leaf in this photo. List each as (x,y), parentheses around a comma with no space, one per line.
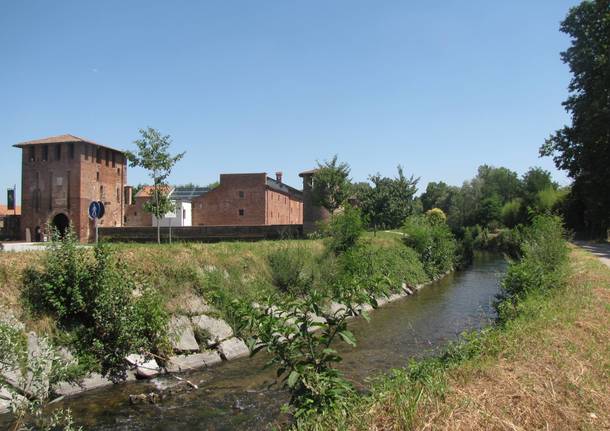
(292,378)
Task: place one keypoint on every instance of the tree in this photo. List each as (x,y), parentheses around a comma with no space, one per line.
(331,184)
(153,155)
(438,195)
(389,201)
(583,148)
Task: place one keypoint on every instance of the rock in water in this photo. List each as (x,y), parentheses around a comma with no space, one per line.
(233,348)
(182,336)
(218,329)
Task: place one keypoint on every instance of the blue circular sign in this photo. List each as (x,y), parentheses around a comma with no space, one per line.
(94,210)
(102,209)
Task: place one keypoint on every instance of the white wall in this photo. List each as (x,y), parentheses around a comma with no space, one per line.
(183,216)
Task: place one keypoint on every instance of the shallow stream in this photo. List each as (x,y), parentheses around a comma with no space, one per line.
(241,395)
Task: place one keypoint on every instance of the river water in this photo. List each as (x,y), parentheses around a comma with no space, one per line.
(241,394)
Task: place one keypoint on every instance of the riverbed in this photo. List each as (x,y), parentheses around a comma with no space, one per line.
(241,394)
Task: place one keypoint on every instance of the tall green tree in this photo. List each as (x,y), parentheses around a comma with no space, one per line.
(389,201)
(331,184)
(154,156)
(583,148)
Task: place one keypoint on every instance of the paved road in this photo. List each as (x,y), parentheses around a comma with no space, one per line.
(23,246)
(602,251)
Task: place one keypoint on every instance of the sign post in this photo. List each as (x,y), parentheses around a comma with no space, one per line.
(96,211)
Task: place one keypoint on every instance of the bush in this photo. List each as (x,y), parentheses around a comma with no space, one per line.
(343,230)
(94,298)
(381,269)
(434,243)
(542,266)
(286,265)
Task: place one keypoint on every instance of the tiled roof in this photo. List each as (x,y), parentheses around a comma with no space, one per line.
(284,188)
(309,172)
(60,140)
(146,191)
(4,211)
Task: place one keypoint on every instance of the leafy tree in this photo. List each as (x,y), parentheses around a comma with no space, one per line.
(583,148)
(490,211)
(331,184)
(344,230)
(438,195)
(501,182)
(153,155)
(389,201)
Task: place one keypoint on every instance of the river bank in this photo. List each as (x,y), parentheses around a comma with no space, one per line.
(545,369)
(240,394)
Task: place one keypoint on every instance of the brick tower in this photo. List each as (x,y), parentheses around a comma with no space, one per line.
(61,176)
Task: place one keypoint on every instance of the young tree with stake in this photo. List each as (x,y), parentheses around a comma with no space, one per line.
(153,155)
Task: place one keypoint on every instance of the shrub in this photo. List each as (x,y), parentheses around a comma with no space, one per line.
(93,296)
(542,266)
(434,243)
(286,265)
(436,216)
(343,230)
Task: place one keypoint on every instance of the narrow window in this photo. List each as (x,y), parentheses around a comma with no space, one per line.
(113,159)
(241,194)
(125,219)
(86,151)
(183,214)
(118,195)
(118,171)
(45,153)
(58,152)
(98,155)
(32,153)
(97,175)
(101,193)
(50,191)
(71,150)
(241,212)
(68,187)
(107,157)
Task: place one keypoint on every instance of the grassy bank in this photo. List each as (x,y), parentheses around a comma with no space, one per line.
(547,368)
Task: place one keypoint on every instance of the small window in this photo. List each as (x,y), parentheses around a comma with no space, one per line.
(118,195)
(58,152)
(183,214)
(32,156)
(86,151)
(97,175)
(241,212)
(45,153)
(101,193)
(124,219)
(107,157)
(98,155)
(71,150)
(113,159)
(241,194)
(118,171)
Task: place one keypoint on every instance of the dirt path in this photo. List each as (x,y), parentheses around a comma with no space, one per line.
(601,251)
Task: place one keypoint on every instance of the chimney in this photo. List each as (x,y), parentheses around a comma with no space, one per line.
(278,177)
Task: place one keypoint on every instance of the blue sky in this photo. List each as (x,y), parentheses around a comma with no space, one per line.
(439,87)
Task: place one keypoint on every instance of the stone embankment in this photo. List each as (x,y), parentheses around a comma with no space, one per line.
(199,339)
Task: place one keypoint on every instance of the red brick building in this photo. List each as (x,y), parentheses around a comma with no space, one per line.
(249,200)
(61,176)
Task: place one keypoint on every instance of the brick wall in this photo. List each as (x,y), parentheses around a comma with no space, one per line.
(67,184)
(201,233)
(135,215)
(238,200)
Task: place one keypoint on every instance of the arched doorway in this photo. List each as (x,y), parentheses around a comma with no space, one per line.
(61,222)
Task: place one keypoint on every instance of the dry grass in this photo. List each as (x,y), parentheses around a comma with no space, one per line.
(549,370)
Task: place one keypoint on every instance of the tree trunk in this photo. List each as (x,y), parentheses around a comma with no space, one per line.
(158,218)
